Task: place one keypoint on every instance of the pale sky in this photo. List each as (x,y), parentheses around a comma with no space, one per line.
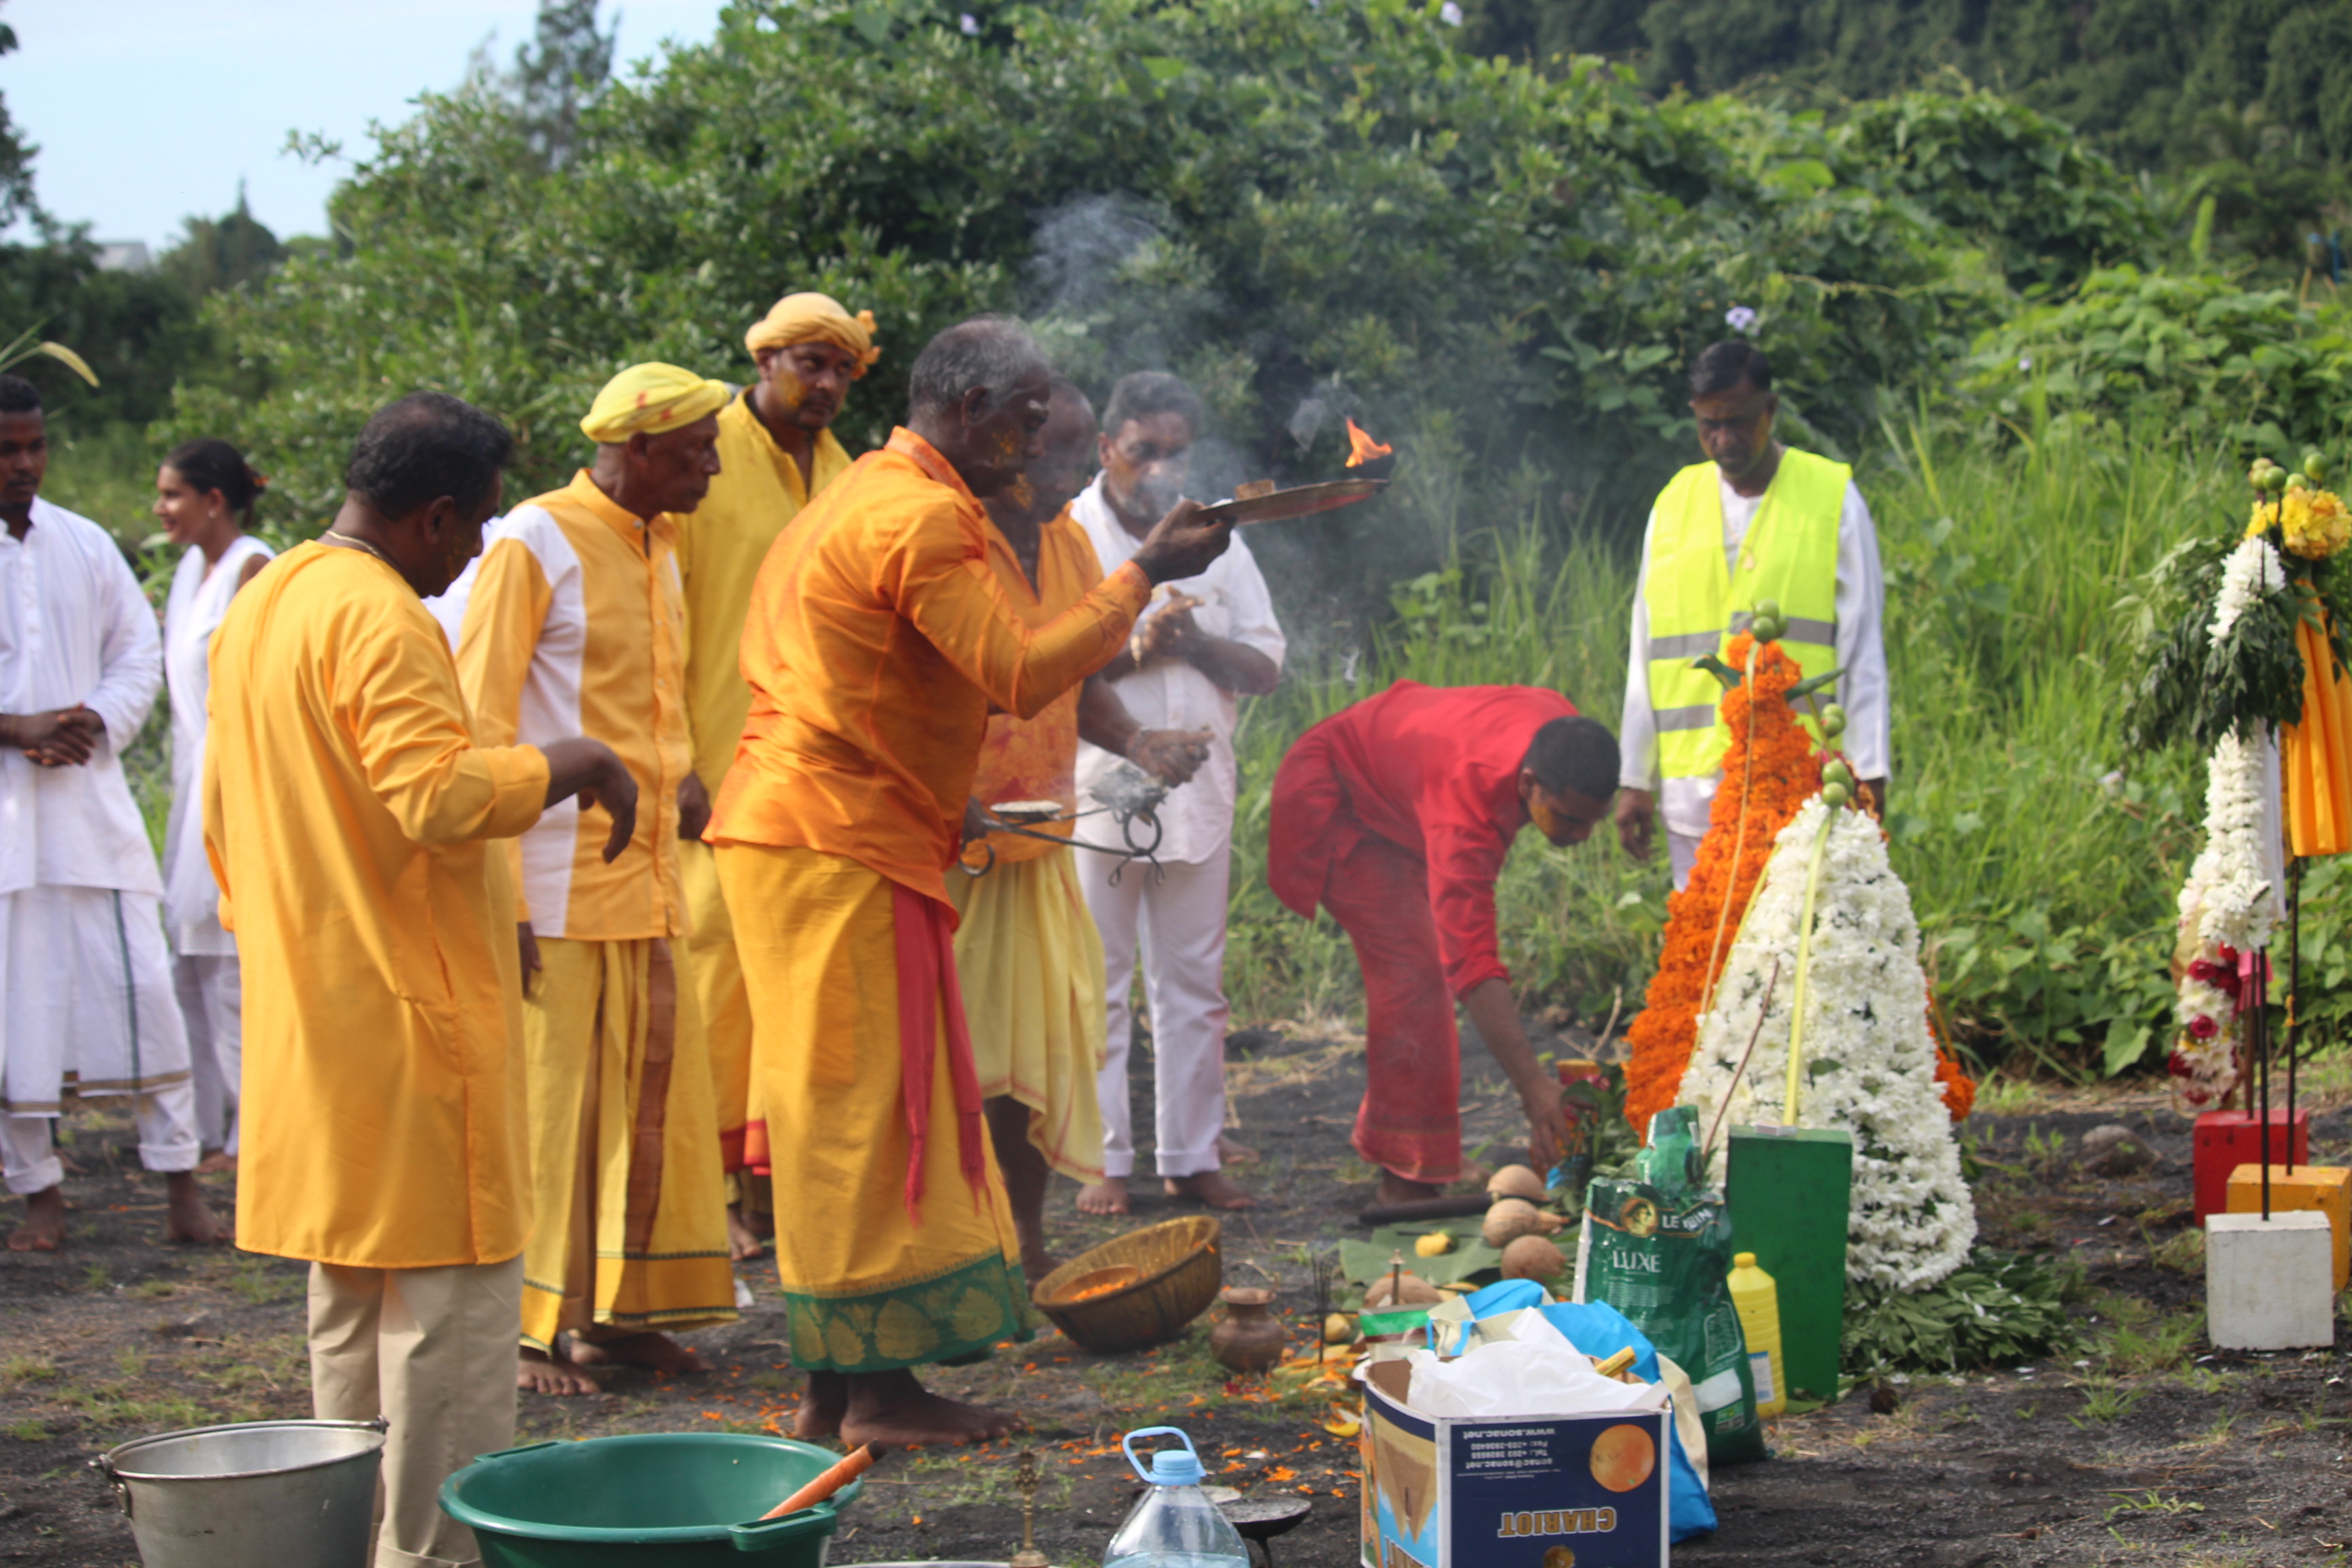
(147,111)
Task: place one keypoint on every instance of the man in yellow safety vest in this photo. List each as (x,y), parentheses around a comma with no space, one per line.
(1758,522)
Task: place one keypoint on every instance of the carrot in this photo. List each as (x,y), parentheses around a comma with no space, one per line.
(833,1480)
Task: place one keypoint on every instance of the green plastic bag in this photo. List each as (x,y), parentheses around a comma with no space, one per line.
(1660,1254)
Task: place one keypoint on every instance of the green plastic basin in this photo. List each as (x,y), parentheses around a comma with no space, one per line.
(638,1501)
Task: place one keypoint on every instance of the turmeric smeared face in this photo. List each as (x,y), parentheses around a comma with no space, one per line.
(1005,434)
(806,383)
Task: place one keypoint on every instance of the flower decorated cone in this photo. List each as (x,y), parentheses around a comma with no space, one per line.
(1865,1063)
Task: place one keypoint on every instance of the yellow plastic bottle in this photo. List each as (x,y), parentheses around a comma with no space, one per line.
(1759,1303)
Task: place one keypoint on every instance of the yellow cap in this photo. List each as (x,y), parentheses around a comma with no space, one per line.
(816,318)
(1743,1260)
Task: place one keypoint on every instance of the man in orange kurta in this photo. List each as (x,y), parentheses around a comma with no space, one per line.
(878,638)
(347,812)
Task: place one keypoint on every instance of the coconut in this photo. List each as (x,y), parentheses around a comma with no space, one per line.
(1534,1258)
(1516,1182)
(1511,1218)
(1413,1291)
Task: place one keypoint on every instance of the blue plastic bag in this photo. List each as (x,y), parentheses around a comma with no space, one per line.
(1599,1329)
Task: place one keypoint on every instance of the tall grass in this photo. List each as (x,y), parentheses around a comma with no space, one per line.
(2042,862)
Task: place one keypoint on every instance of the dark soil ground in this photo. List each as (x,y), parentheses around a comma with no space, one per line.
(2139,1446)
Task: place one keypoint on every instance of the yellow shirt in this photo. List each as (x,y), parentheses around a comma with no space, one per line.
(720,545)
(345,809)
(877,640)
(575,626)
(1036,759)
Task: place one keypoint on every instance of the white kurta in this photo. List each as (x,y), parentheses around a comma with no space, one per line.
(74,629)
(1174,695)
(82,960)
(201,591)
(1861,654)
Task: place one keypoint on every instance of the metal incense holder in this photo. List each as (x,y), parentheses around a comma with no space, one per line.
(1024,1477)
(1128,794)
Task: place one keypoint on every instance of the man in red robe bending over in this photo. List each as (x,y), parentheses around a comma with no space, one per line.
(1396,816)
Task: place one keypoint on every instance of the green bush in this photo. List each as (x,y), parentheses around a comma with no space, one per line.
(2196,356)
(1302,208)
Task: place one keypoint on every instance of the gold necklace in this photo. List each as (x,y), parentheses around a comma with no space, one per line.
(350,541)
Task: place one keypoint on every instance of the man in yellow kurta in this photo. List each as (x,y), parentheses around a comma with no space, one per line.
(775,451)
(1027,952)
(877,639)
(575,620)
(346,806)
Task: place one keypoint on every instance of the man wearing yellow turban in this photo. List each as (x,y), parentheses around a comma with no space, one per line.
(576,621)
(776,452)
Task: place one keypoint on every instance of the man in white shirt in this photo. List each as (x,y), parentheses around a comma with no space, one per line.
(84,970)
(1201,643)
(1793,530)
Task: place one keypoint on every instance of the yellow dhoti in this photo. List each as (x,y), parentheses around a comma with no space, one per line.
(1032,964)
(631,1227)
(869,1287)
(717,975)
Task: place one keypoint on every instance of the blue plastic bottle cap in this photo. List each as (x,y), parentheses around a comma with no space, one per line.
(1176,1468)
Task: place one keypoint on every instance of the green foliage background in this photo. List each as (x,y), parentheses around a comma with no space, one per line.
(2046,370)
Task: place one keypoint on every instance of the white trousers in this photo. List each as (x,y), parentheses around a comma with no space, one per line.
(1179,921)
(167,1140)
(212,1005)
(432,1351)
(1681,852)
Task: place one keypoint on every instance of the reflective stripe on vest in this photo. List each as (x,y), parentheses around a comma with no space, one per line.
(1695,606)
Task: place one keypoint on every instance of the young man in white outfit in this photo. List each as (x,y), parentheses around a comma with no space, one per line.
(83,967)
(1203,643)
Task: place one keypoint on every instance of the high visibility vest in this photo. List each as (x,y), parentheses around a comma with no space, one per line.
(1695,607)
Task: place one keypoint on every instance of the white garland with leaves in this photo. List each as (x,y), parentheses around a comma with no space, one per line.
(1868,1062)
(2230,898)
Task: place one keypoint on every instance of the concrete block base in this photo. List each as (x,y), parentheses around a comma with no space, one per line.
(2268,1282)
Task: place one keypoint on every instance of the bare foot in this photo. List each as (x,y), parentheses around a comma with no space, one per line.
(536,1372)
(1035,1266)
(658,1351)
(1231,1153)
(824,1404)
(1214,1188)
(1105,1196)
(44,1229)
(1396,1189)
(892,1407)
(742,1241)
(214,1163)
(189,1217)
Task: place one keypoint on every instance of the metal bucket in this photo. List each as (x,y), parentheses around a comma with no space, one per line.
(281,1494)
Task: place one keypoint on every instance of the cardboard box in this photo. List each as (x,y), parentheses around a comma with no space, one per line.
(1536,1491)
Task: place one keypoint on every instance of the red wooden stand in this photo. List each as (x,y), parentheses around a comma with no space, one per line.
(2228,1139)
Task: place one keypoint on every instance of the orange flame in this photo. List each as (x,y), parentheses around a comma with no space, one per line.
(1362,449)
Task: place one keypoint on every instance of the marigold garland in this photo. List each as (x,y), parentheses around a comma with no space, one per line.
(1781,772)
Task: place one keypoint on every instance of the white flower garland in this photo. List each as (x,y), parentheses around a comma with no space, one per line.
(1869,1063)
(2229,901)
(2251,571)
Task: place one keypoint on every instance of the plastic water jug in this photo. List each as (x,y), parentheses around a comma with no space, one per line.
(1175,1525)
(1758,1301)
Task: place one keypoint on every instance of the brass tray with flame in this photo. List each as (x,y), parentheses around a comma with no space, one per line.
(1299,500)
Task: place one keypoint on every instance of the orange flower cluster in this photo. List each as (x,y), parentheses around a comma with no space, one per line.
(1770,769)
(1959,1089)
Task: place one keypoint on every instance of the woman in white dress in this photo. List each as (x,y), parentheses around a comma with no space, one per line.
(203,497)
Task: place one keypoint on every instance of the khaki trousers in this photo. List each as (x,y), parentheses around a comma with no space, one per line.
(433,1352)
